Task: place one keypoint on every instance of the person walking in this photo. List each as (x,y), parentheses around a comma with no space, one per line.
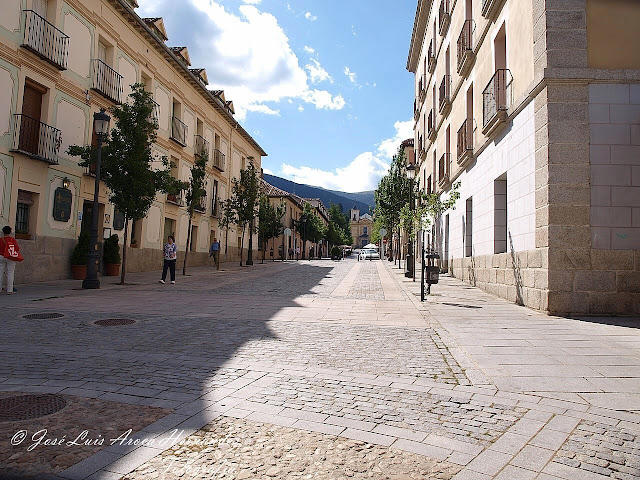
(10,255)
(214,251)
(170,251)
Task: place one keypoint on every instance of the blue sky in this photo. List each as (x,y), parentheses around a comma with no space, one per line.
(320,84)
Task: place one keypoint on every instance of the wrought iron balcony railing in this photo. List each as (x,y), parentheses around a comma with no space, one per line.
(218,160)
(45,40)
(445,92)
(201,147)
(465,141)
(444,16)
(496,98)
(431,127)
(491,7)
(106,80)
(443,170)
(202,206)
(179,131)
(155,114)
(431,57)
(465,44)
(176,199)
(416,110)
(35,139)
(215,207)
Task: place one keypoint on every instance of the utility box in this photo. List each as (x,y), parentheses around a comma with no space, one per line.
(433,274)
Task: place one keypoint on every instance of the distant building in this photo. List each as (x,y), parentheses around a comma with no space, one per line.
(361,226)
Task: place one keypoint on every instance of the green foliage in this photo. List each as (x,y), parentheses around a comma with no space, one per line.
(269,220)
(195,187)
(111,250)
(314,230)
(336,252)
(434,206)
(393,192)
(244,202)
(81,250)
(339,231)
(375,230)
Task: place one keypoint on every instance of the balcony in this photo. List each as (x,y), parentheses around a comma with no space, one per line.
(422,88)
(218,160)
(496,100)
(444,16)
(416,110)
(443,171)
(36,139)
(422,154)
(490,8)
(465,46)
(179,131)
(202,206)
(465,142)
(431,126)
(201,148)
(431,57)
(176,199)
(445,93)
(106,81)
(155,114)
(45,40)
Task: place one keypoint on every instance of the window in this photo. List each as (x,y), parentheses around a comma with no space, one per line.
(364,230)
(500,214)
(468,227)
(22,218)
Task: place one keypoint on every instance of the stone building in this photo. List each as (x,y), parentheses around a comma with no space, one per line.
(60,62)
(534,105)
(361,226)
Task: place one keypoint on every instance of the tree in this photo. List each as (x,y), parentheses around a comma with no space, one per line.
(244,204)
(339,231)
(195,194)
(433,206)
(227,219)
(127,162)
(313,228)
(393,192)
(269,222)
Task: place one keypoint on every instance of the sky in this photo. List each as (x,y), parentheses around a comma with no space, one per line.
(321,85)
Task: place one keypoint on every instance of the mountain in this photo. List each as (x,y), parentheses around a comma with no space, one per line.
(361,200)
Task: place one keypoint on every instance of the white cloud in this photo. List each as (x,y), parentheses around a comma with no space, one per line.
(261,108)
(300,108)
(308,49)
(317,73)
(311,18)
(324,100)
(352,76)
(353,30)
(267,171)
(253,2)
(361,174)
(247,54)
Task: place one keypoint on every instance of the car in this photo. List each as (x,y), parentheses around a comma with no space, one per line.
(369,254)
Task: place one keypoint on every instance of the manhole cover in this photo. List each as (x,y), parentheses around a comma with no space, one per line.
(114,322)
(42,316)
(27,407)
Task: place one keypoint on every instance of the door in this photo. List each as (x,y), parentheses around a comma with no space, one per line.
(87,216)
(30,119)
(40,7)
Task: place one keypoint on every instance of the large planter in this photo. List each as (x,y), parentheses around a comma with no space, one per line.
(79,272)
(112,269)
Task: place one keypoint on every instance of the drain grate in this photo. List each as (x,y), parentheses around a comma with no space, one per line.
(27,407)
(43,316)
(114,322)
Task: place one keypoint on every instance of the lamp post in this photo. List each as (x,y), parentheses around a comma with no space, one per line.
(101,127)
(304,234)
(411,173)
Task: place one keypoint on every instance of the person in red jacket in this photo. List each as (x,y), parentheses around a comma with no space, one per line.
(9,256)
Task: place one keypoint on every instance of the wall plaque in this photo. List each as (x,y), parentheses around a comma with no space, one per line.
(62,200)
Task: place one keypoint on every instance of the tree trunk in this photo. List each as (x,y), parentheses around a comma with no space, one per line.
(124,251)
(226,245)
(186,250)
(241,244)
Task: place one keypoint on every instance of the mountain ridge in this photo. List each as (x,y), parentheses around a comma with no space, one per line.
(364,201)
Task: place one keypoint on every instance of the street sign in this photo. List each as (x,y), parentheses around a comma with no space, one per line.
(383,232)
(287,231)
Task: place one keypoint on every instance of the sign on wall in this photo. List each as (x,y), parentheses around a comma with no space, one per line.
(118,220)
(62,201)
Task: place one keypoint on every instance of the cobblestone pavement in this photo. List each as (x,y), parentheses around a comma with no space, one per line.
(313,369)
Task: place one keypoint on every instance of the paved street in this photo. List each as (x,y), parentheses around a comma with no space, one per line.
(312,370)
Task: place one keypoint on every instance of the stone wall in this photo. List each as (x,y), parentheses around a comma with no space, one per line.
(45,258)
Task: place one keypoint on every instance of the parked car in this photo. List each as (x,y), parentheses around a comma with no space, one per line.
(369,254)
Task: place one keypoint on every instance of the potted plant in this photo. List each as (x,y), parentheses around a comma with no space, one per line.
(111,256)
(79,257)
(22,234)
(134,243)
(336,253)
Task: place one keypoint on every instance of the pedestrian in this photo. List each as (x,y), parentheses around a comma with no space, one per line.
(291,253)
(297,252)
(10,256)
(170,251)
(214,252)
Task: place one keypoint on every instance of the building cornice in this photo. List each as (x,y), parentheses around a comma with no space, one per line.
(419,28)
(125,7)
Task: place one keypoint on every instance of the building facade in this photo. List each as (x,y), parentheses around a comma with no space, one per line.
(535,108)
(361,226)
(61,61)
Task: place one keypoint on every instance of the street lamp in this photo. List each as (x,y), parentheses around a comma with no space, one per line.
(304,234)
(101,127)
(411,173)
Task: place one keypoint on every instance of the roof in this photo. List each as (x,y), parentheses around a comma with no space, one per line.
(123,6)
(201,73)
(407,143)
(183,52)
(157,24)
(273,191)
(417,36)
